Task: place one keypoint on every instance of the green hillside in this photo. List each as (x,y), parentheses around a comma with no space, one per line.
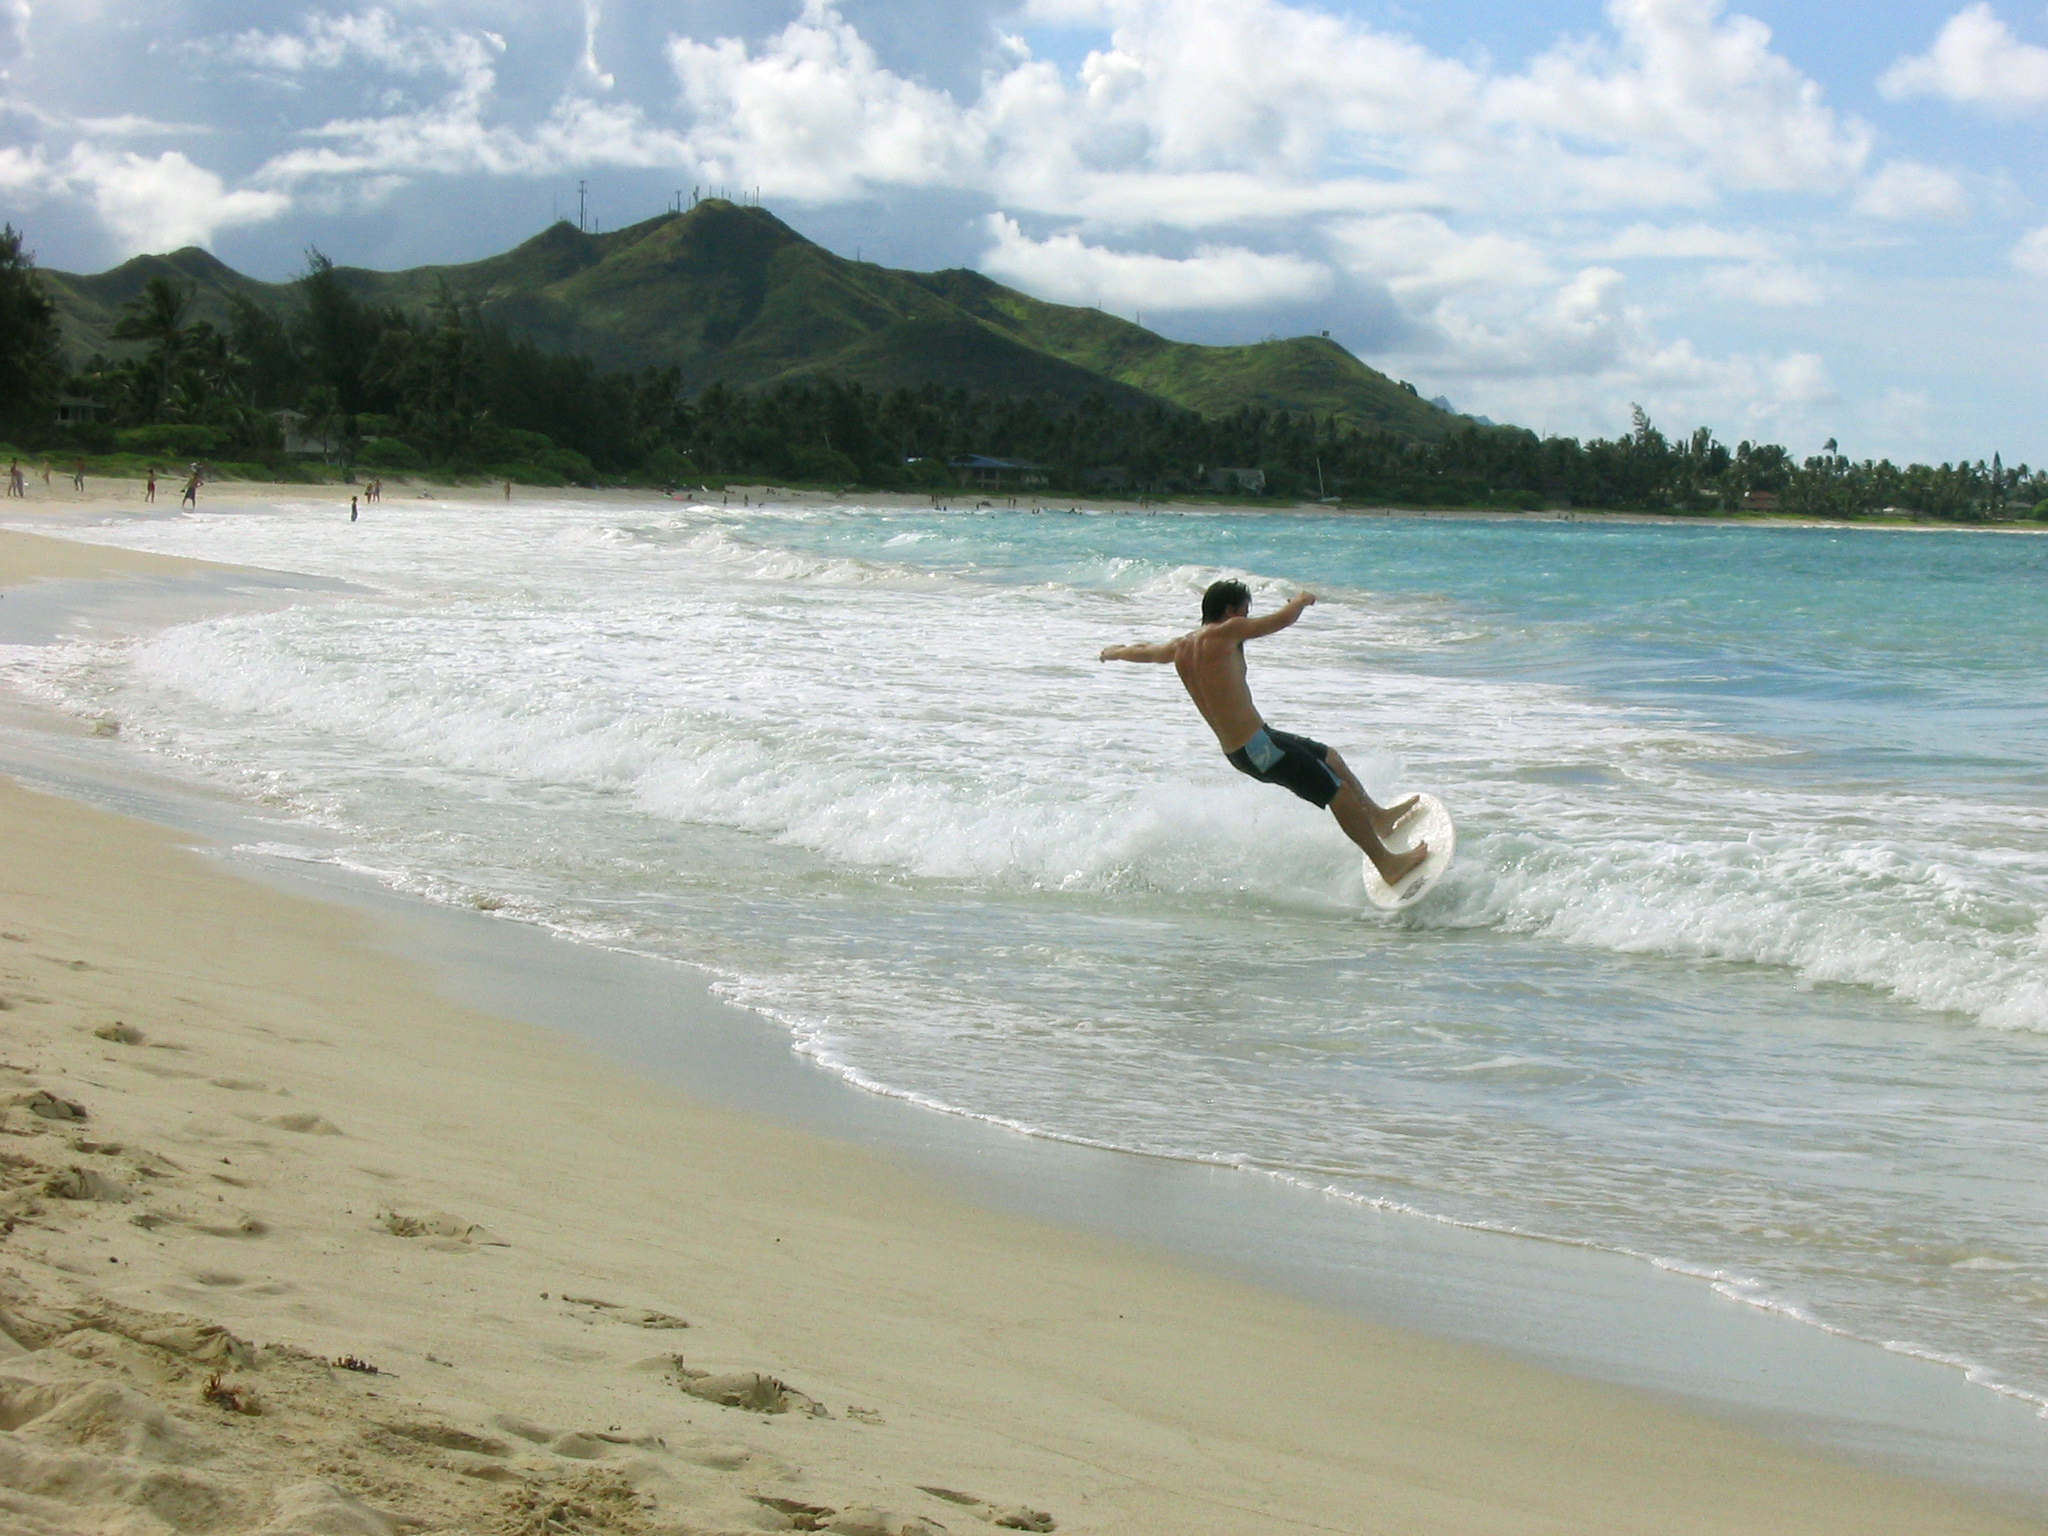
(1302,373)
(88,306)
(730,294)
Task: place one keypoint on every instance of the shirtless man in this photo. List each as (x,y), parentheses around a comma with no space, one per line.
(1210,661)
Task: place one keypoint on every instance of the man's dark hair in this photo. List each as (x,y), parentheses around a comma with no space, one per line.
(1223,596)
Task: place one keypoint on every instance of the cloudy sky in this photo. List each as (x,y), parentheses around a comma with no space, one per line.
(1789,221)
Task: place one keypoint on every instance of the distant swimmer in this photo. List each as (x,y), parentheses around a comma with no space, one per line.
(1210,661)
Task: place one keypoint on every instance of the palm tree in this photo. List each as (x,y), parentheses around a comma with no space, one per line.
(157,315)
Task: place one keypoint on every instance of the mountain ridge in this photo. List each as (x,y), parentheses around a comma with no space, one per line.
(729,294)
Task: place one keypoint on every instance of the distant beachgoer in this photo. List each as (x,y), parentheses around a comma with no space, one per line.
(191,496)
(46,474)
(149,494)
(376,492)
(508,490)
(14,483)
(351,509)
(78,476)
(1210,661)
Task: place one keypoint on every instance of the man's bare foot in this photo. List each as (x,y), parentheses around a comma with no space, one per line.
(1388,817)
(1399,866)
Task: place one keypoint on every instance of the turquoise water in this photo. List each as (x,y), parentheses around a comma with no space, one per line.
(1743,968)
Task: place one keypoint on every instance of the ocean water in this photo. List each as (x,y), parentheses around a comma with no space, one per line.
(1742,970)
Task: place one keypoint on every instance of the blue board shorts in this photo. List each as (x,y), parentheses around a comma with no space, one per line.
(1291,761)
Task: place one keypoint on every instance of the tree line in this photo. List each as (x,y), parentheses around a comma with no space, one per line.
(447,391)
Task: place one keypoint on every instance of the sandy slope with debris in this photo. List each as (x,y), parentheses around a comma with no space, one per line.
(293,1245)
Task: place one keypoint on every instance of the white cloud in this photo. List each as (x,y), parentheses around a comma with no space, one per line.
(1770,284)
(146,204)
(813,114)
(373,36)
(1907,190)
(1975,61)
(1688,88)
(1066,269)
(163,203)
(1421,259)
(1683,242)
(1202,112)
(1581,327)
(130,126)
(23,171)
(2031,254)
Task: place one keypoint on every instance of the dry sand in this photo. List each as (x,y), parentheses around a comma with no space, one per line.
(246,1155)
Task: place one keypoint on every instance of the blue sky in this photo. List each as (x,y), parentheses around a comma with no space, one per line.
(1783,221)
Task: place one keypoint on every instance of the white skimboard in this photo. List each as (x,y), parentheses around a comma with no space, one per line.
(1428,823)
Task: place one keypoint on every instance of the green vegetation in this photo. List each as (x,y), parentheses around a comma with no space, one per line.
(719,344)
(31,368)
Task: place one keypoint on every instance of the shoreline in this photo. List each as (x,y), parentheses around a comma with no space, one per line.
(1246,1410)
(64,504)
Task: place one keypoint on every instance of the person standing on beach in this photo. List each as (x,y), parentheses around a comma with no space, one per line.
(351,509)
(15,487)
(149,491)
(78,476)
(191,496)
(1210,661)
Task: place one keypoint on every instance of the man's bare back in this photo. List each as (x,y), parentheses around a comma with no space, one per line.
(1210,661)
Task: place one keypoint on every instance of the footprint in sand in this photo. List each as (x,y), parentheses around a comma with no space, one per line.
(866,1520)
(638,1317)
(76,1183)
(755,1391)
(1016,1518)
(855,1520)
(439,1224)
(305,1122)
(245,1225)
(45,1105)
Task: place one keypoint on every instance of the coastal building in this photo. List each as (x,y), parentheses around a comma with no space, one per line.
(1759,501)
(987,473)
(291,426)
(73,411)
(1250,481)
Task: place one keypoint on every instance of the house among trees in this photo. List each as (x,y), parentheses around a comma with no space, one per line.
(1251,481)
(302,441)
(72,411)
(986,473)
(1759,501)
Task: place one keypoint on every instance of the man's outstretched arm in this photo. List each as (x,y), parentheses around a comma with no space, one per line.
(1160,652)
(1249,628)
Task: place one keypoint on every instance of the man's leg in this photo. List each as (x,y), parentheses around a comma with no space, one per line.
(1367,824)
(1384,818)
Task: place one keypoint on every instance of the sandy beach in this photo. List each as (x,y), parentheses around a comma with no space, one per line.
(295,1244)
